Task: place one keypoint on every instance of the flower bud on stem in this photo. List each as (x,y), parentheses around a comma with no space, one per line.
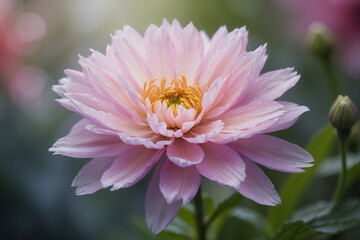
(343,116)
(321,43)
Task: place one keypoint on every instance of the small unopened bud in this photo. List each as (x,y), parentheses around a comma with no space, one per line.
(320,40)
(343,115)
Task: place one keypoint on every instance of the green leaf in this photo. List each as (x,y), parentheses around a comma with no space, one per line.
(320,219)
(351,175)
(332,166)
(175,230)
(218,218)
(250,216)
(140,225)
(166,235)
(227,204)
(295,231)
(180,226)
(296,185)
(312,211)
(344,216)
(209,205)
(187,215)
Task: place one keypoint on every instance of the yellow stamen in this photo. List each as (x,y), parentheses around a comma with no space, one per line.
(178,93)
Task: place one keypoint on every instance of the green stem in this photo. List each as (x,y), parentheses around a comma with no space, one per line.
(200,216)
(340,187)
(335,88)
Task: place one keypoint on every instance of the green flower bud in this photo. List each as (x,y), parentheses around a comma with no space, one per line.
(320,40)
(343,113)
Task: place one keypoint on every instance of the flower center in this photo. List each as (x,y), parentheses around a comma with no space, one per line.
(176,94)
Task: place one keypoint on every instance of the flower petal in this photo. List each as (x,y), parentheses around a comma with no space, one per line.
(158,213)
(222,165)
(105,81)
(177,183)
(290,116)
(190,53)
(271,85)
(155,142)
(257,186)
(129,50)
(101,112)
(82,143)
(223,49)
(245,121)
(244,70)
(160,52)
(76,76)
(204,131)
(159,127)
(274,153)
(209,98)
(141,135)
(130,167)
(87,180)
(184,154)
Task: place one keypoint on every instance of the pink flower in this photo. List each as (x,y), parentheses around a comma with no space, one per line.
(194,105)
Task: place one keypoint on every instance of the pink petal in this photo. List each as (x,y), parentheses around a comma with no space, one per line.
(290,116)
(155,142)
(190,53)
(257,186)
(244,70)
(223,50)
(185,118)
(102,113)
(159,127)
(274,153)
(76,76)
(82,143)
(210,98)
(222,165)
(271,85)
(163,119)
(141,135)
(59,89)
(130,167)
(217,40)
(158,213)
(177,183)
(105,78)
(245,121)
(68,86)
(66,103)
(160,52)
(129,49)
(204,131)
(87,180)
(184,154)
(104,81)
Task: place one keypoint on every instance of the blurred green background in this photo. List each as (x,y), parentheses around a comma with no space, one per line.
(36,200)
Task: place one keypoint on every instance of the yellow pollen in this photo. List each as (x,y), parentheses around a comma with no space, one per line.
(178,93)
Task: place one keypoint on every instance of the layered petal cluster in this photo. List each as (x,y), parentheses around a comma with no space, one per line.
(191,105)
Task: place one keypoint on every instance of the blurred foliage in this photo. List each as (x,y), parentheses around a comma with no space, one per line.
(37,201)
